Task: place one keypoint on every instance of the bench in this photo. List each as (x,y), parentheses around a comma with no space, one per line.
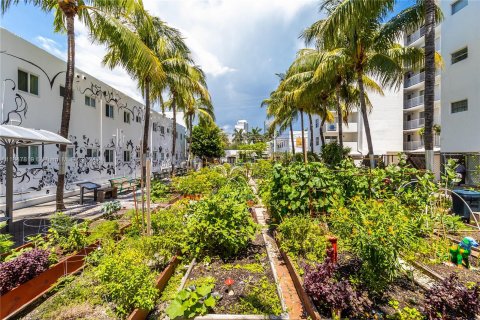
(123,183)
(106,193)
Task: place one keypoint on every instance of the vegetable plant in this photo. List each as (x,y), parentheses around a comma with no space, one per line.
(6,242)
(110,208)
(192,301)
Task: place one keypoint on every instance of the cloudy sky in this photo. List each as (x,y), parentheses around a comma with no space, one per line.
(240,45)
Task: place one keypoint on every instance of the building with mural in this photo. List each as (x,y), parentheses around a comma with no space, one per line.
(106,126)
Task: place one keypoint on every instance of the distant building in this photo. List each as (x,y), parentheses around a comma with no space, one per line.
(283,143)
(242,125)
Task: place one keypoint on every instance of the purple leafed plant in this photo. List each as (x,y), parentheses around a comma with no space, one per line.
(329,293)
(23,268)
(452,300)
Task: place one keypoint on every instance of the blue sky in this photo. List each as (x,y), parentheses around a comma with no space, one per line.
(239,44)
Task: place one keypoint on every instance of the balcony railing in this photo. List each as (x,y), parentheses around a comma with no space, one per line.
(414,36)
(414,124)
(413,102)
(417,78)
(418,144)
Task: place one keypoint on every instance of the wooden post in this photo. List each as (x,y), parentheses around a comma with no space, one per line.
(142,181)
(135,203)
(149,222)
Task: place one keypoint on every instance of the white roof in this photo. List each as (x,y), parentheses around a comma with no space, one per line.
(15,135)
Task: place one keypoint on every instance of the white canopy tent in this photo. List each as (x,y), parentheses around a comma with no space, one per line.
(12,136)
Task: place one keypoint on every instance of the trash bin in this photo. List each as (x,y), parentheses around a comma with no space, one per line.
(459,207)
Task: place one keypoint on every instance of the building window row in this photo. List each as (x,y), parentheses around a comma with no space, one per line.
(27,82)
(109,111)
(460,55)
(459,5)
(90,101)
(459,106)
(126,117)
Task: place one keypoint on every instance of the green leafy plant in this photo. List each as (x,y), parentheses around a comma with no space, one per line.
(104,231)
(302,237)
(405,313)
(201,182)
(192,301)
(220,224)
(6,242)
(159,192)
(110,208)
(332,153)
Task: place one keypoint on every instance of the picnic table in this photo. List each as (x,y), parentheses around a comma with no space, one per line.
(89,186)
(123,182)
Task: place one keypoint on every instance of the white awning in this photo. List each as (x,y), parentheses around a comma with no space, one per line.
(15,135)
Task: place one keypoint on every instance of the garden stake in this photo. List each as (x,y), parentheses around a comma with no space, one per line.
(334,252)
(135,203)
(149,222)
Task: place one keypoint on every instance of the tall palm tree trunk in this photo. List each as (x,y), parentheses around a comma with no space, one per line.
(174,134)
(67,106)
(304,148)
(146,127)
(310,132)
(291,138)
(429,80)
(363,106)
(190,155)
(340,118)
(322,137)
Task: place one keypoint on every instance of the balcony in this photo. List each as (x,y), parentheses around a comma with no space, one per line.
(415,79)
(413,102)
(418,144)
(413,124)
(333,127)
(411,38)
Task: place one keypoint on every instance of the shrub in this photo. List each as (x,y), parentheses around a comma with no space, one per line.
(332,153)
(302,237)
(262,169)
(192,301)
(104,231)
(220,225)
(170,226)
(159,191)
(337,295)
(377,232)
(202,182)
(110,208)
(6,242)
(452,300)
(127,280)
(25,267)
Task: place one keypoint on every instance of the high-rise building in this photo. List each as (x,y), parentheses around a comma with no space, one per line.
(242,125)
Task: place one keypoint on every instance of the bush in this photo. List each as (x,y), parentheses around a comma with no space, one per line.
(378,233)
(452,300)
(302,237)
(262,169)
(6,242)
(332,154)
(159,191)
(25,267)
(219,224)
(104,231)
(192,301)
(110,208)
(336,295)
(202,182)
(127,280)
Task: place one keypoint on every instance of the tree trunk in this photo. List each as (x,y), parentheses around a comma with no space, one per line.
(322,137)
(146,127)
(304,148)
(429,93)
(190,155)
(311,132)
(363,106)
(340,118)
(66,109)
(174,134)
(291,139)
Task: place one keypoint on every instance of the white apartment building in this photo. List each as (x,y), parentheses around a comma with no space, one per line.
(242,125)
(106,126)
(283,142)
(385,119)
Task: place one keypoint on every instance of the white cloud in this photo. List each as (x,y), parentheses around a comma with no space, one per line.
(51,46)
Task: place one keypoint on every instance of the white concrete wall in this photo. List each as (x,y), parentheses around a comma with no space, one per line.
(89,127)
(461,80)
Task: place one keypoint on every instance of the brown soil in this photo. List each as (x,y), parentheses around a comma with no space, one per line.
(241,270)
(464,275)
(406,292)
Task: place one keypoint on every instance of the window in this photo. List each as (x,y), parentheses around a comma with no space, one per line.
(317,141)
(27,155)
(460,55)
(162,156)
(155,127)
(109,155)
(459,5)
(168,130)
(92,153)
(126,156)
(27,82)
(317,122)
(459,106)
(126,116)
(90,101)
(155,153)
(138,119)
(62,91)
(109,111)
(70,152)
(162,129)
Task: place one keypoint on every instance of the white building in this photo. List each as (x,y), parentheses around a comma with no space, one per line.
(385,121)
(106,126)
(283,142)
(242,125)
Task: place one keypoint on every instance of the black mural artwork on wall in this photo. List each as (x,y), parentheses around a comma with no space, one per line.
(19,112)
(51,80)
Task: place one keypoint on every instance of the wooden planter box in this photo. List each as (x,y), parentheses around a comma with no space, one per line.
(162,280)
(193,196)
(20,297)
(298,283)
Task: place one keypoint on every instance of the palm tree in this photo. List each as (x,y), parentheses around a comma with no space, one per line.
(256,135)
(369,53)
(99,17)
(202,109)
(238,136)
(424,13)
